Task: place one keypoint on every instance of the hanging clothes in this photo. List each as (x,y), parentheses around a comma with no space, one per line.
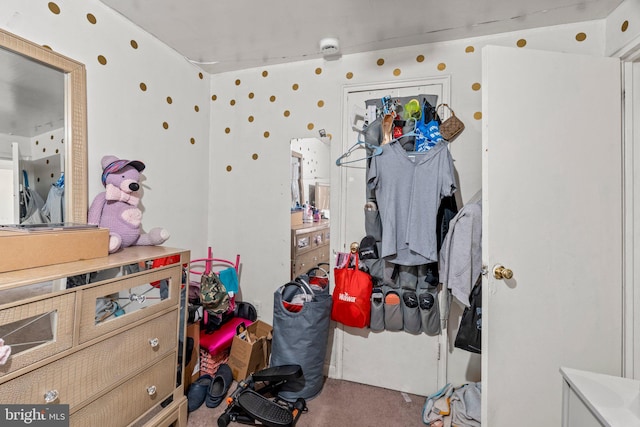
(408,191)
(33,203)
(461,252)
(53,208)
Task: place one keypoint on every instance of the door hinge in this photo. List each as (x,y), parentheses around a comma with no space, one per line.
(485,270)
(438,346)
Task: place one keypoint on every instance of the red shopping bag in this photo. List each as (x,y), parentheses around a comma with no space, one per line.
(352,295)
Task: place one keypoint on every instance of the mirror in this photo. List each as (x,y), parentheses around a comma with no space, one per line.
(310,174)
(109,307)
(310,177)
(50,135)
(29,332)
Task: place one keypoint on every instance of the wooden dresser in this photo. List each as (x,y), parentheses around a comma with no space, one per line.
(108,347)
(309,246)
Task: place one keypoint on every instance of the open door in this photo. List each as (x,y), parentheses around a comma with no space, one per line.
(552,213)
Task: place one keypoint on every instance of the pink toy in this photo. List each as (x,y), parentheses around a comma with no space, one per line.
(116,208)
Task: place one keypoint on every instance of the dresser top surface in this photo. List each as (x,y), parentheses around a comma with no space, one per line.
(310,226)
(130,255)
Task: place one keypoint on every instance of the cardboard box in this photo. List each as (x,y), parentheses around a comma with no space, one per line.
(24,249)
(249,357)
(192,369)
(296,218)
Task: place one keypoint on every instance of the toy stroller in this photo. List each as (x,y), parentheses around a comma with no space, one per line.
(248,405)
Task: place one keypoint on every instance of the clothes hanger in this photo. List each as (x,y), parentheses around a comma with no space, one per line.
(377,150)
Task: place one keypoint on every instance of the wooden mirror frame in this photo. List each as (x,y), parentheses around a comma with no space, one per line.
(75,167)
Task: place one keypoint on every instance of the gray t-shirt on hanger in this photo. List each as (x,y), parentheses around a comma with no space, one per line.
(408,191)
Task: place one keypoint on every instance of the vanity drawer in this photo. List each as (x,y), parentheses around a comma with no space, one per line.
(303,242)
(305,262)
(77,377)
(124,404)
(49,320)
(137,297)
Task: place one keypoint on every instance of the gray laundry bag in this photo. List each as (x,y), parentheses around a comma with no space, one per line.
(300,337)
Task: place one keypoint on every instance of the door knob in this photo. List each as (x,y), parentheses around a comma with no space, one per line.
(501,272)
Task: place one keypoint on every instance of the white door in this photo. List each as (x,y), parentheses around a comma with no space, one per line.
(393,360)
(552,213)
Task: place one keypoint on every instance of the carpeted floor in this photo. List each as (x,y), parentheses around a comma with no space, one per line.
(342,403)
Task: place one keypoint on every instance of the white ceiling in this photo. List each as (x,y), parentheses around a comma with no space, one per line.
(231,35)
(31,96)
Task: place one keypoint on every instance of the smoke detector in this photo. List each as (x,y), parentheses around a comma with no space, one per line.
(329,46)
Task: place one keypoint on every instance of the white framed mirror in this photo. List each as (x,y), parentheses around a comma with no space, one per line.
(30,75)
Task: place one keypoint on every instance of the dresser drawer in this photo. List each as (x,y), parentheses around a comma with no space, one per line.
(79,376)
(136,297)
(124,404)
(303,242)
(305,262)
(37,330)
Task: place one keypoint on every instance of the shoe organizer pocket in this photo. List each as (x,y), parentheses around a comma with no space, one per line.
(377,310)
(428,275)
(375,268)
(429,310)
(393,311)
(390,275)
(411,312)
(407,277)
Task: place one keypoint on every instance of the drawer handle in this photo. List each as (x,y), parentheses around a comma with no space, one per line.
(154,342)
(151,390)
(138,298)
(51,396)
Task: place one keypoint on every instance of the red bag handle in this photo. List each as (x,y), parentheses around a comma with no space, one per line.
(354,254)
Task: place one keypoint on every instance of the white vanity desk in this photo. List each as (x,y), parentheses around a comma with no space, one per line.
(592,399)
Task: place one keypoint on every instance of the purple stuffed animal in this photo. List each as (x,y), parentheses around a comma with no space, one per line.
(116,208)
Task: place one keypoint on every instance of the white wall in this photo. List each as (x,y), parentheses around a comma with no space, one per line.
(235,196)
(249,200)
(623,28)
(124,120)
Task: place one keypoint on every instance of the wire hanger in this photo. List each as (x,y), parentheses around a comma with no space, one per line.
(377,150)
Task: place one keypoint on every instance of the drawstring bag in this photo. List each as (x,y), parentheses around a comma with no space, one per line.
(352,295)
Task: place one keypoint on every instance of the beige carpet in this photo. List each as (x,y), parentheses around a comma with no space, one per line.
(342,403)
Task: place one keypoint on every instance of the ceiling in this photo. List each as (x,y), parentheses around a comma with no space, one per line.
(31,96)
(230,35)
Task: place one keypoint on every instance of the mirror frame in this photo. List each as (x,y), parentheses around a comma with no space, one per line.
(75,167)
